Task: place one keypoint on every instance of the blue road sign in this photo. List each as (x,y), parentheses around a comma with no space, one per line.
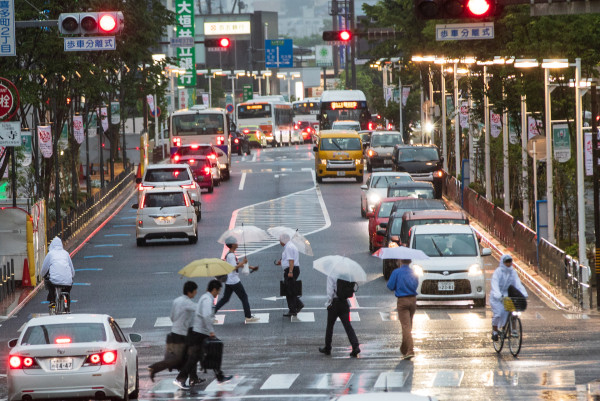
(279,53)
(229,108)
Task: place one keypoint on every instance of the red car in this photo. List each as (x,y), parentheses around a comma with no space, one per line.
(380,214)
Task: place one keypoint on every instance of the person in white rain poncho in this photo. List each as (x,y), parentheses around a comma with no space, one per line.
(57,269)
(504,276)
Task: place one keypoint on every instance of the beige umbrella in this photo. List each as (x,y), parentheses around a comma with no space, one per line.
(207,267)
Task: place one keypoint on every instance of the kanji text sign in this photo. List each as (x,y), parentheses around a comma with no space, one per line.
(473,31)
(90,43)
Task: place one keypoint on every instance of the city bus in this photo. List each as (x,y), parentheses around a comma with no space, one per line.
(305,116)
(343,105)
(200,124)
(273,116)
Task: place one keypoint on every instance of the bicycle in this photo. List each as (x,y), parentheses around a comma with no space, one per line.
(62,301)
(512,330)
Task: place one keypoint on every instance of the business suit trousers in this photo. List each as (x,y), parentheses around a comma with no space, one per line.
(293,300)
(339,308)
(406,311)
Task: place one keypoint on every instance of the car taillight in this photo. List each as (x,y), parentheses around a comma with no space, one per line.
(439,174)
(104,358)
(194,146)
(176,158)
(370,125)
(246,131)
(18,362)
(28,362)
(176,141)
(295,127)
(257,134)
(207,170)
(236,140)
(212,156)
(189,186)
(142,187)
(190,221)
(191,161)
(308,129)
(187,200)
(220,140)
(94,358)
(14,362)
(140,223)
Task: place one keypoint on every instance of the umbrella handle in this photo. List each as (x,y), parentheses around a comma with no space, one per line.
(244,239)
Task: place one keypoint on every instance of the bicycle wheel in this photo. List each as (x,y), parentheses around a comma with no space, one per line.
(64,300)
(515,335)
(500,342)
(60,305)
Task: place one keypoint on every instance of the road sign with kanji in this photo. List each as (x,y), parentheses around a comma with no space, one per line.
(6,100)
(10,133)
(279,53)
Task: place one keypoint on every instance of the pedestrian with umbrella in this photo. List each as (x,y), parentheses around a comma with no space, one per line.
(343,274)
(404,282)
(233,282)
(290,262)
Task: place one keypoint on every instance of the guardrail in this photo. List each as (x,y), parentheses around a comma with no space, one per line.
(551,262)
(85,211)
(7,285)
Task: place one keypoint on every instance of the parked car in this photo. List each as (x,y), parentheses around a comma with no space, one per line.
(83,356)
(240,143)
(378,219)
(455,268)
(376,188)
(196,156)
(167,213)
(416,189)
(163,175)
(379,152)
(346,125)
(420,217)
(423,162)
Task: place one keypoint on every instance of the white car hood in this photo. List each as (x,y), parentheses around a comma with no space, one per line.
(448,263)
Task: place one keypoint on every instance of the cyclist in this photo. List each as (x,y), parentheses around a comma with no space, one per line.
(504,276)
(57,270)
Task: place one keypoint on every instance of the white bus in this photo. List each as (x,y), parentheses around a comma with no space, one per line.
(306,113)
(272,116)
(200,124)
(344,105)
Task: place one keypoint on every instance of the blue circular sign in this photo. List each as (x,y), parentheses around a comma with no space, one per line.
(229,108)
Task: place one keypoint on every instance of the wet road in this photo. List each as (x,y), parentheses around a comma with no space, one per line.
(277,359)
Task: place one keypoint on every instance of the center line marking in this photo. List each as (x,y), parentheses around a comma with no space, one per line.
(254,157)
(243,180)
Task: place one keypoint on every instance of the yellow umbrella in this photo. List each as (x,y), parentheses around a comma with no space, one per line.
(207,267)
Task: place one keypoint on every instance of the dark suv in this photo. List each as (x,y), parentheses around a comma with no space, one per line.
(422,162)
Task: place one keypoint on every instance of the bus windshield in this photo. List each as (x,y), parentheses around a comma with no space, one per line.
(334,111)
(306,108)
(198,124)
(254,111)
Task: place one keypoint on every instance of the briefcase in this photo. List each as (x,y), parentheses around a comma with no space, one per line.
(295,290)
(213,353)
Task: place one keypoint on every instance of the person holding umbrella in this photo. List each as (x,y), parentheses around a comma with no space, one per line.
(404,282)
(290,262)
(233,283)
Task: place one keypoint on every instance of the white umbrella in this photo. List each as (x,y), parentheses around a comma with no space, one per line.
(297,239)
(400,252)
(340,267)
(243,234)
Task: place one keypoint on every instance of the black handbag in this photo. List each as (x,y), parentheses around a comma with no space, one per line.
(175,352)
(290,287)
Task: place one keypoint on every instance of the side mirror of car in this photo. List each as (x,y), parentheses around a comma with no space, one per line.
(12,343)
(135,338)
(383,225)
(138,180)
(486,252)
(364,187)
(197,203)
(135,206)
(315,148)
(370,214)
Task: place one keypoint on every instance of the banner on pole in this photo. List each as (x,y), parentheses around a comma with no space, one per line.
(464,114)
(104,118)
(45,140)
(495,124)
(405,93)
(562,142)
(26,147)
(534,127)
(115,113)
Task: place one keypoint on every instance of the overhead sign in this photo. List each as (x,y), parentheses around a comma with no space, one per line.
(89,43)
(186,56)
(227,28)
(7,33)
(323,56)
(10,133)
(247,92)
(279,53)
(472,31)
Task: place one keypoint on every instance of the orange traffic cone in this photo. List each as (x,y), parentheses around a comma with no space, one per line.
(139,171)
(26,280)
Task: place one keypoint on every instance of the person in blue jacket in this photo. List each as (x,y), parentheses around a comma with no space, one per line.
(404,282)
(504,276)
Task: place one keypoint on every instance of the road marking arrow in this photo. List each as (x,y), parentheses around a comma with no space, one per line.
(273,298)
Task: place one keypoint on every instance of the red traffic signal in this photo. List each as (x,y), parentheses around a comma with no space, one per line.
(337,36)
(223,43)
(455,9)
(480,8)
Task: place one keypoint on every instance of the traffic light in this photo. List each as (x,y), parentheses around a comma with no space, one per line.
(223,43)
(337,36)
(456,9)
(91,23)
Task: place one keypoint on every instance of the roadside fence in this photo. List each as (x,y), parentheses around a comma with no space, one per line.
(7,285)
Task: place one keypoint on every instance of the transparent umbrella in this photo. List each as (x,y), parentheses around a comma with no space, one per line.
(297,239)
(400,252)
(340,267)
(244,234)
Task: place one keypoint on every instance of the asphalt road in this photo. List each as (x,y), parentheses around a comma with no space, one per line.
(277,359)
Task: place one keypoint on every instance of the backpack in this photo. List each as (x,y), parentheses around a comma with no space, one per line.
(346,289)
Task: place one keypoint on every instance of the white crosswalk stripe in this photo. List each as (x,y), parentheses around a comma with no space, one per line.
(279,381)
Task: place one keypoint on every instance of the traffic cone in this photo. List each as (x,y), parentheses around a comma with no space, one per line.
(139,171)
(26,282)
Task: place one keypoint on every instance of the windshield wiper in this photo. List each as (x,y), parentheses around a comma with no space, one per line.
(436,247)
(336,145)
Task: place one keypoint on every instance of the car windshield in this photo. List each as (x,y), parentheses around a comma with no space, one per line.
(421,193)
(164,199)
(441,245)
(418,154)
(167,175)
(386,140)
(385,209)
(340,144)
(71,332)
(346,126)
(384,181)
(194,150)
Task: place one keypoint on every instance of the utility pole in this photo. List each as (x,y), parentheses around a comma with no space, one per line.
(353,44)
(596,154)
(334,16)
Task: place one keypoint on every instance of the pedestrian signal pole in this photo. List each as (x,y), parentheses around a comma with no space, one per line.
(596,154)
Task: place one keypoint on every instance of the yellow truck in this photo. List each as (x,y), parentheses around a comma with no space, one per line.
(338,154)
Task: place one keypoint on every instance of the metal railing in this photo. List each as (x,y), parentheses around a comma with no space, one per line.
(7,286)
(85,211)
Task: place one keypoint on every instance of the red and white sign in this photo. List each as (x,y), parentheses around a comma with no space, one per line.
(78,129)
(150,100)
(495,124)
(45,140)
(464,114)
(6,100)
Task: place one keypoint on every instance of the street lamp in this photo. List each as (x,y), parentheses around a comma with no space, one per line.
(442,62)
(424,116)
(503,61)
(580,183)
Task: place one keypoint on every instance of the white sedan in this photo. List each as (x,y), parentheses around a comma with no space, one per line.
(376,188)
(73,356)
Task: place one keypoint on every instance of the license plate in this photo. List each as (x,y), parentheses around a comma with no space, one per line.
(161,221)
(341,173)
(387,161)
(61,364)
(445,285)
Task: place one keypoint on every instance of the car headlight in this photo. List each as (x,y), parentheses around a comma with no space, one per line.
(475,270)
(371,153)
(373,198)
(357,161)
(324,162)
(418,270)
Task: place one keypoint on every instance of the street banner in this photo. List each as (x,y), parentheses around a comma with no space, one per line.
(495,124)
(115,113)
(512,131)
(10,133)
(186,56)
(588,150)
(45,140)
(150,100)
(104,119)
(78,133)
(534,127)
(205,99)
(183,99)
(389,91)
(464,114)
(26,147)
(405,93)
(562,142)
(449,106)
(92,128)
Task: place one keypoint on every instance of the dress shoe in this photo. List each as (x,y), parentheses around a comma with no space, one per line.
(355,352)
(300,307)
(222,378)
(289,314)
(196,382)
(152,373)
(181,385)
(325,351)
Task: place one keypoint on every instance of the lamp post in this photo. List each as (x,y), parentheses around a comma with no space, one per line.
(580,183)
(423,59)
(442,62)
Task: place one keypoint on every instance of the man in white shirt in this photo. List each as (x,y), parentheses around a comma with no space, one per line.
(233,283)
(182,314)
(290,262)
